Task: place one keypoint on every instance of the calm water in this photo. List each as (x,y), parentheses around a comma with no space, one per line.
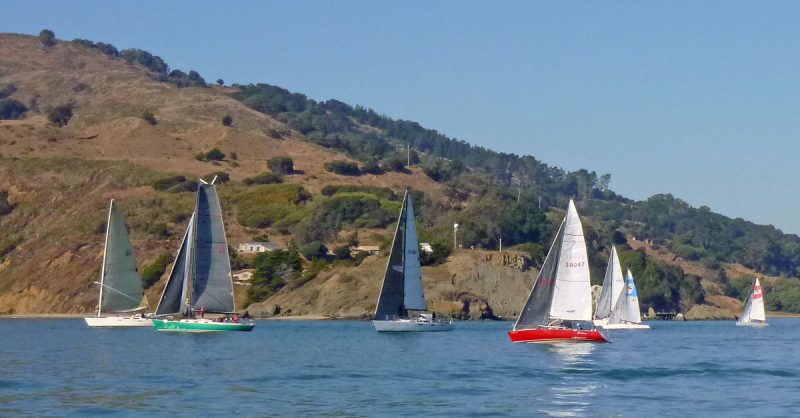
(290,368)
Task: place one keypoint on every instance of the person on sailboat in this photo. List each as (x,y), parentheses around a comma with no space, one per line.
(202,311)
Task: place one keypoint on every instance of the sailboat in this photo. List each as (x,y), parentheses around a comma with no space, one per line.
(560,303)
(754,315)
(121,290)
(200,281)
(626,314)
(401,291)
(613,285)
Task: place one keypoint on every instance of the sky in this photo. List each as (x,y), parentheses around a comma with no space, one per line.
(697,99)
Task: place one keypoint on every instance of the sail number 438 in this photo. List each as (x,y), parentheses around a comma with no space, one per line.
(575,264)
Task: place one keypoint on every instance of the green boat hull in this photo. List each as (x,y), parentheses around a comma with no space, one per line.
(200,325)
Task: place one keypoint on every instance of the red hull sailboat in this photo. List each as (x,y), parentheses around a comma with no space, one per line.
(559,307)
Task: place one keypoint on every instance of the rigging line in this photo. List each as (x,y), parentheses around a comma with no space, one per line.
(117,291)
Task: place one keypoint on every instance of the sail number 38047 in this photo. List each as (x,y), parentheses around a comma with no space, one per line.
(569,264)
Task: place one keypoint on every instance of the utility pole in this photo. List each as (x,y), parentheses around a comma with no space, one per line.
(519,191)
(455,237)
(540,202)
(408,154)
(501,244)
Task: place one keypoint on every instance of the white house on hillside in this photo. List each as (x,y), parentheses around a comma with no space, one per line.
(257,247)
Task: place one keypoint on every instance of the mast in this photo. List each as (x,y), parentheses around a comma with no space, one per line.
(103,267)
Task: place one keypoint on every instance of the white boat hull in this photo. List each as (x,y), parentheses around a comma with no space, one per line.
(625,326)
(752,324)
(117,321)
(410,325)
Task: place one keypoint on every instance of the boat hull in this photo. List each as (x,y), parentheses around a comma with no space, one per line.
(117,322)
(625,326)
(556,335)
(752,324)
(201,325)
(407,325)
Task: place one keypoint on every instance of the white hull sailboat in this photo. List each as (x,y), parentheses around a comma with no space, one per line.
(754,314)
(559,307)
(200,280)
(401,291)
(618,306)
(121,291)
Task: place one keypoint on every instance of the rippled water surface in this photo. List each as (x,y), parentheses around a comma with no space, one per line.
(342,368)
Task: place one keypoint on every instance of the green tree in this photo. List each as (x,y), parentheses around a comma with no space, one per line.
(215,155)
(47,37)
(220,82)
(60,115)
(281,165)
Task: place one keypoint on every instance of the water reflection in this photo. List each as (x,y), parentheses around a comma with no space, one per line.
(572,392)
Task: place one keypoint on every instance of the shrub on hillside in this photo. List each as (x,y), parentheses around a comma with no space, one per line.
(344,168)
(281,165)
(221,177)
(47,37)
(214,155)
(359,210)
(372,167)
(11,109)
(314,250)
(381,192)
(341,252)
(7,90)
(60,115)
(105,48)
(153,272)
(263,178)
(439,254)
(227,120)
(271,204)
(149,117)
(273,270)
(175,184)
(220,82)
(5,205)
(151,62)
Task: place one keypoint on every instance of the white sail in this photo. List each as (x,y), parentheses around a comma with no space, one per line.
(413,298)
(632,313)
(572,293)
(613,283)
(754,310)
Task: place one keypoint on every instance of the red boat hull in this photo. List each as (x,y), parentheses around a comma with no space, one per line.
(556,335)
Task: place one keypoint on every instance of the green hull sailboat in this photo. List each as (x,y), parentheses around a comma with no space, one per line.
(200,280)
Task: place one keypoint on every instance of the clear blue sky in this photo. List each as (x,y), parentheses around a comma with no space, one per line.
(700,99)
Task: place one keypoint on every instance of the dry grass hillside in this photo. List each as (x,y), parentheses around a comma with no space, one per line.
(60,179)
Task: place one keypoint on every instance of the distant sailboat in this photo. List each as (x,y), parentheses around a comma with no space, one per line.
(121,288)
(613,285)
(200,280)
(754,315)
(402,283)
(625,314)
(560,302)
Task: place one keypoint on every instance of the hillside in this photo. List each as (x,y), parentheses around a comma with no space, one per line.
(135,125)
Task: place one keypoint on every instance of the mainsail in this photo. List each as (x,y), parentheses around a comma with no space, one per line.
(562,290)
(212,281)
(402,283)
(120,284)
(613,283)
